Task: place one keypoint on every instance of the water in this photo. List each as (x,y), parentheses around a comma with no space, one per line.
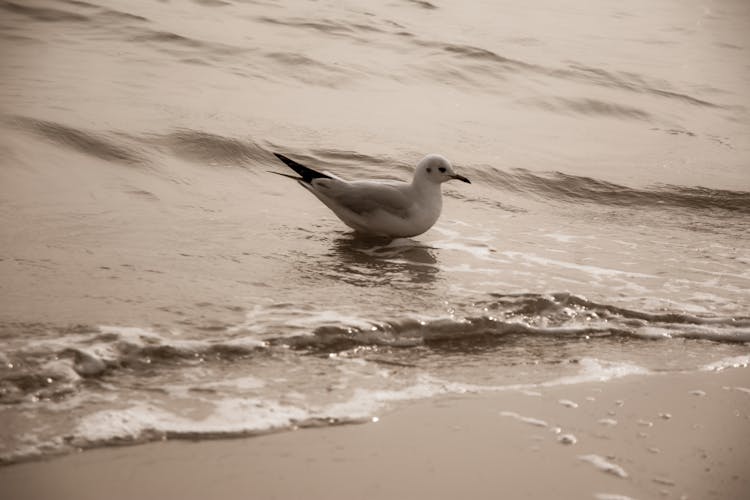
(158,282)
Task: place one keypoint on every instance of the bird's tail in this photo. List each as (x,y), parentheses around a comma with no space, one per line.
(305,174)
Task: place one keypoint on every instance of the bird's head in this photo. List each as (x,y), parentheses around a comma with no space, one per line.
(437,169)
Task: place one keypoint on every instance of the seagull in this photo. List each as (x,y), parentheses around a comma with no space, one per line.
(385,208)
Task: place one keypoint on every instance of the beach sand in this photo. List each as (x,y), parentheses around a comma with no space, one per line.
(671,435)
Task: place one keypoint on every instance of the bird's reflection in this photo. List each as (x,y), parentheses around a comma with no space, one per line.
(379,261)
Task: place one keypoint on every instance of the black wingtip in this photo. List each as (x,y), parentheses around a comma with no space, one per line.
(307,174)
(285,175)
(283,158)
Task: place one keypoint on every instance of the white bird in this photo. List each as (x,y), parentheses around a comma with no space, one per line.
(393,209)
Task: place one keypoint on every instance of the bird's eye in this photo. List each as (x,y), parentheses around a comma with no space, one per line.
(429,170)
(442,169)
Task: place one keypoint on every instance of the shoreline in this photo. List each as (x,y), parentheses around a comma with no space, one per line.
(663,435)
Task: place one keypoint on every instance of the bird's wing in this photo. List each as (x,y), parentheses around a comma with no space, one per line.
(362,197)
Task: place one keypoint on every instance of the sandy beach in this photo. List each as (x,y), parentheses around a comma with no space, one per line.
(675,435)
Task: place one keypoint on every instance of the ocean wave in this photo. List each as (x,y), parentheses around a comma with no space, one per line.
(201,146)
(108,147)
(521,316)
(596,107)
(211,148)
(424,4)
(61,357)
(104,13)
(347,158)
(189,144)
(309,70)
(627,81)
(43,14)
(330,27)
(560,186)
(80,12)
(182,45)
(469,59)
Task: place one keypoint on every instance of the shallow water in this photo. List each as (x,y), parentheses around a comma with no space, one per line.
(158,282)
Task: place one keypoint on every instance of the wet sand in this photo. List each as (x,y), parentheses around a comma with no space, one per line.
(674,435)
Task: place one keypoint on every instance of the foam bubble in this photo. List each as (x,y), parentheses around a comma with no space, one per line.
(567,439)
(604,465)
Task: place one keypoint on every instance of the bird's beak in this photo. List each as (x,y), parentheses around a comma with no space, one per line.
(460,178)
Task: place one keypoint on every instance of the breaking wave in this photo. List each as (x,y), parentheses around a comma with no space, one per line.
(64,356)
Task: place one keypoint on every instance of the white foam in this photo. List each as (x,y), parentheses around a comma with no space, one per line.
(129,332)
(481,252)
(244,342)
(127,423)
(716,332)
(229,417)
(591,270)
(31,450)
(531,393)
(604,465)
(561,238)
(366,402)
(611,496)
(60,369)
(654,332)
(142,337)
(594,370)
(466,268)
(527,420)
(298,321)
(733,362)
